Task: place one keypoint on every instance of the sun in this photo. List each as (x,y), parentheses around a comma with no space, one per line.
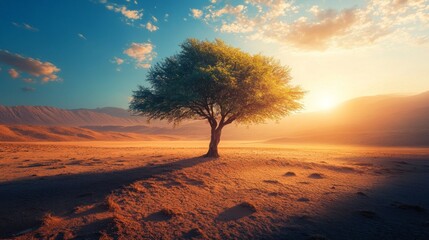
(327,102)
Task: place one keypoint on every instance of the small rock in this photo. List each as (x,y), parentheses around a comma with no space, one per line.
(248,206)
(316,176)
(194,233)
(362,194)
(272,181)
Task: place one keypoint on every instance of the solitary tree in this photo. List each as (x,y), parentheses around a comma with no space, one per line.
(218,83)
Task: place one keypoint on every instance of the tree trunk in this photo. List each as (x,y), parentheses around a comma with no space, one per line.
(214,142)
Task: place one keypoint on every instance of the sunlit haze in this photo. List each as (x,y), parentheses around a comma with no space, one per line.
(94,53)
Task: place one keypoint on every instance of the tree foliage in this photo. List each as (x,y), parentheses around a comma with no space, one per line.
(219,83)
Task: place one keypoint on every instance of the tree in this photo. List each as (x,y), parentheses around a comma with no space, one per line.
(218,83)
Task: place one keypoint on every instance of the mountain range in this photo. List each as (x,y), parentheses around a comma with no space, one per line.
(397,120)
(51,116)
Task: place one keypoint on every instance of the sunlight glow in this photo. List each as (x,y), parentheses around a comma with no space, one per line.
(327,102)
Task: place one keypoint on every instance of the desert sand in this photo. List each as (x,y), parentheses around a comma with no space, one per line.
(164,190)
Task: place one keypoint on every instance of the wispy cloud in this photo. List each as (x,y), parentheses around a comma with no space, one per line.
(127,13)
(25,26)
(118,61)
(149,26)
(46,71)
(314,28)
(317,34)
(13,73)
(133,16)
(81,36)
(142,53)
(28,80)
(227,9)
(28,89)
(196,13)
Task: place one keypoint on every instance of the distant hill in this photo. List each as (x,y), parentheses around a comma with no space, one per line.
(51,116)
(376,120)
(112,111)
(27,133)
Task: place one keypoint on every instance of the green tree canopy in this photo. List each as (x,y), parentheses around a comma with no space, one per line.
(219,83)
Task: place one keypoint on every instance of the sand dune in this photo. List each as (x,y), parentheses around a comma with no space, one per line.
(28,133)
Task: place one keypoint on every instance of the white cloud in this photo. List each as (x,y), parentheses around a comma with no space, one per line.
(28,80)
(143,65)
(214,14)
(149,26)
(28,89)
(45,70)
(127,13)
(276,8)
(80,35)
(289,24)
(228,9)
(118,61)
(196,13)
(13,73)
(25,26)
(131,14)
(142,53)
(317,34)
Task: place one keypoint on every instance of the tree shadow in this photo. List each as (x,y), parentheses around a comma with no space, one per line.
(24,202)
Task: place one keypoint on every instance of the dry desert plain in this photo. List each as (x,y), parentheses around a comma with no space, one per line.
(164,190)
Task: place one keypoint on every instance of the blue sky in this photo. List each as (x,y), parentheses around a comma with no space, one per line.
(89,78)
(75,46)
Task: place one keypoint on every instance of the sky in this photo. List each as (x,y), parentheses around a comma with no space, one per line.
(94,53)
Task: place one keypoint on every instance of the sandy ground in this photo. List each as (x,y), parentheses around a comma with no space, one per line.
(163,190)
